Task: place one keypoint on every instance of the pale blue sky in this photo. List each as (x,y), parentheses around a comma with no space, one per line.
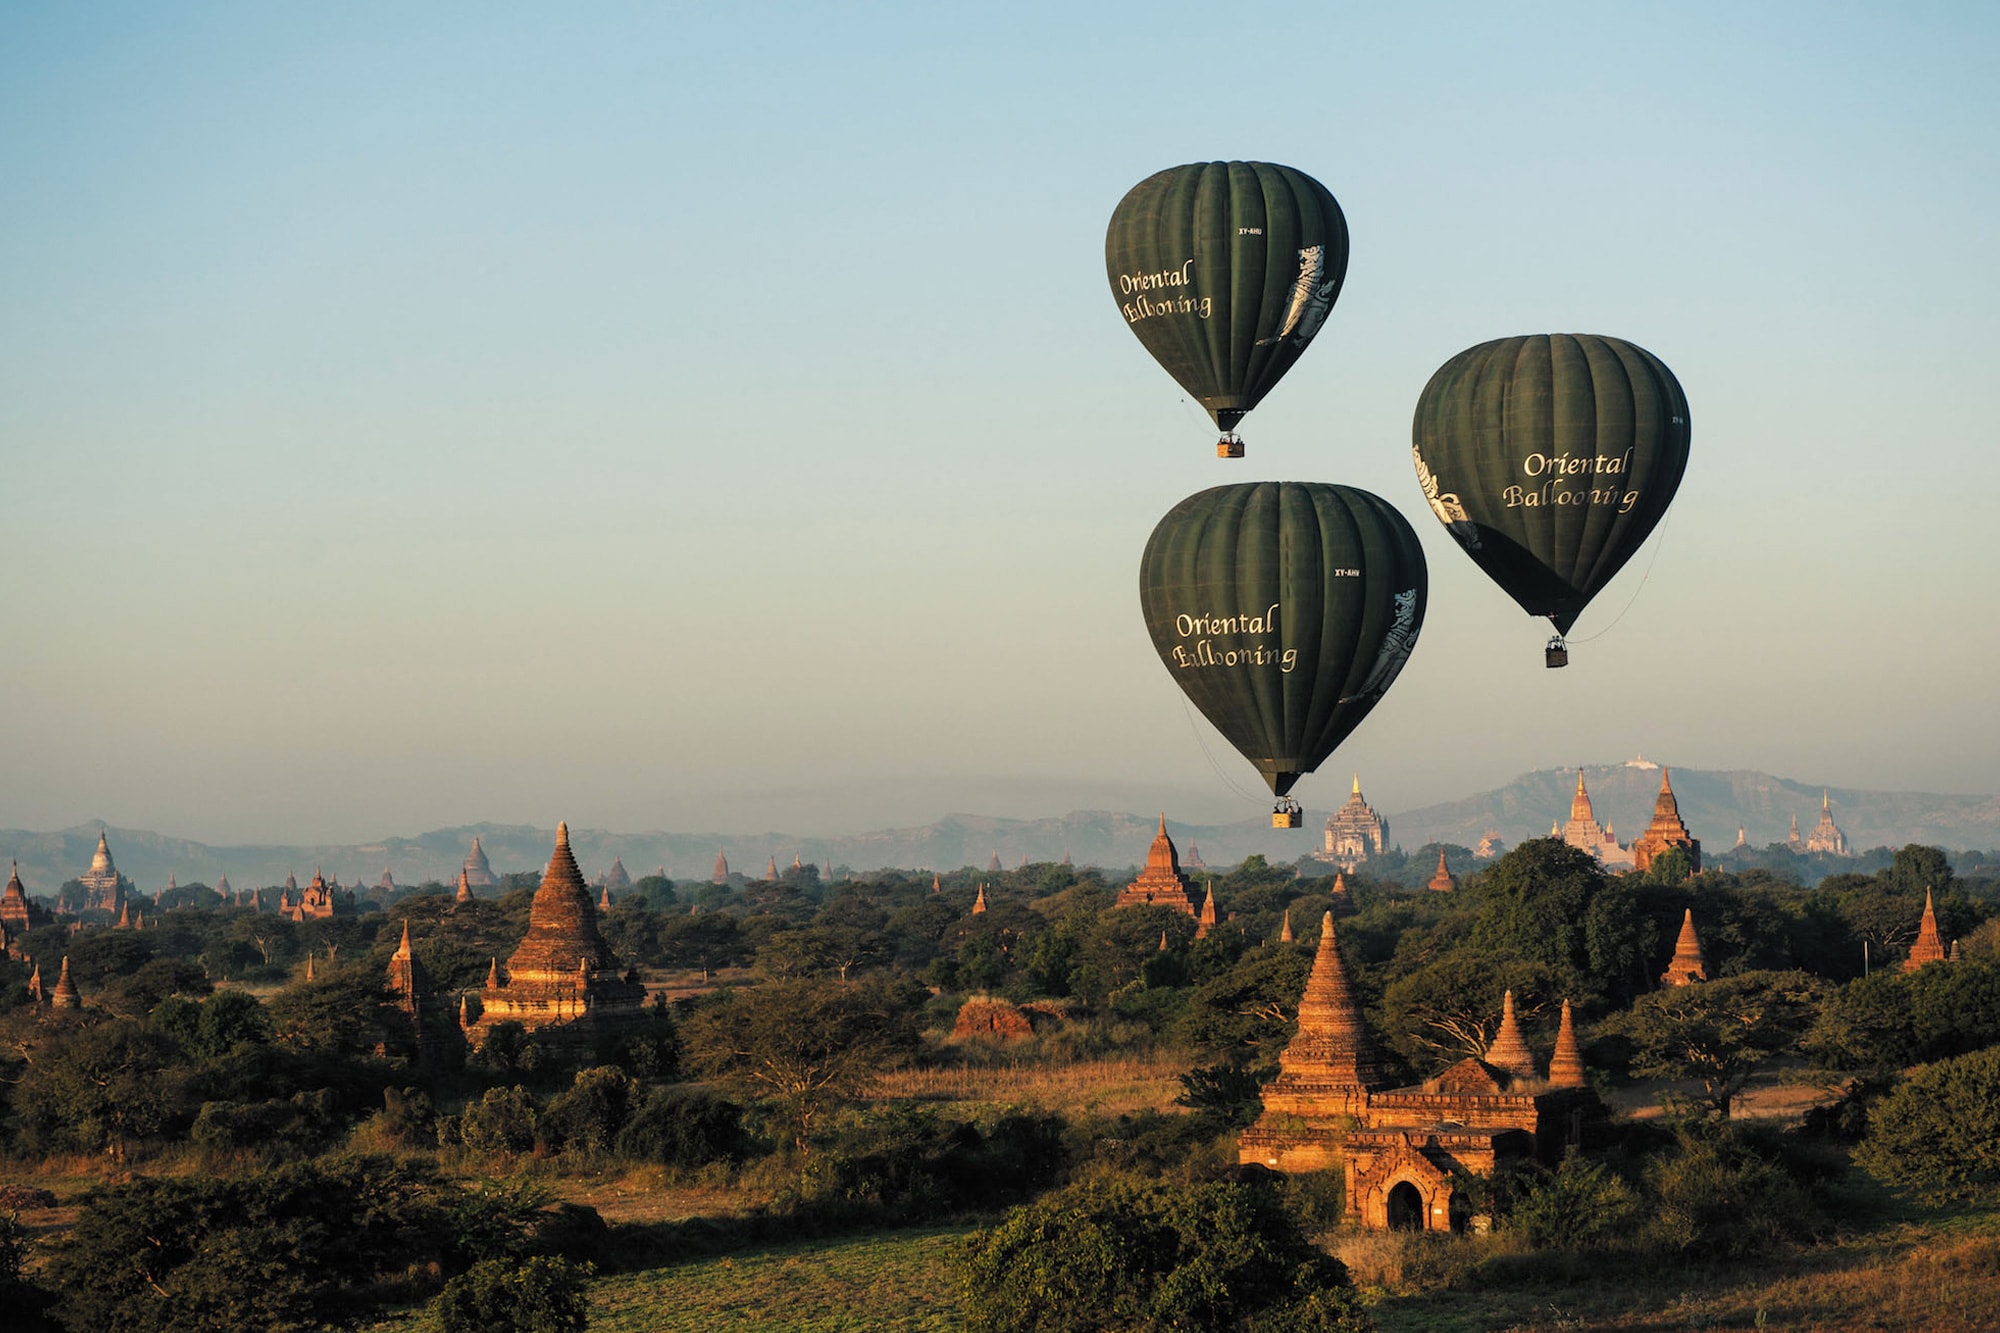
(416,415)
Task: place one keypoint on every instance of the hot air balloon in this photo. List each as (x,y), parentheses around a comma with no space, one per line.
(1284,610)
(1549,459)
(1225,271)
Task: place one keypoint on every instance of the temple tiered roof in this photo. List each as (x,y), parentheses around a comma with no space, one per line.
(1354,832)
(1665,831)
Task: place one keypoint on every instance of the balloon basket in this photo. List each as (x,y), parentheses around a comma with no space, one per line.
(1229,446)
(1556,654)
(1287,814)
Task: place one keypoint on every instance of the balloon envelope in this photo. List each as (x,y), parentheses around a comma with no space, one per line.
(1284,610)
(1225,271)
(1550,459)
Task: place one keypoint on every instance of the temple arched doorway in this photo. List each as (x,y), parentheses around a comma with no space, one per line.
(1406,1208)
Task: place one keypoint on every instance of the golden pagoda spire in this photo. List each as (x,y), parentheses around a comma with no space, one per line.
(1285,935)
(1508,1051)
(979,903)
(464,888)
(1206,921)
(1566,1065)
(403,953)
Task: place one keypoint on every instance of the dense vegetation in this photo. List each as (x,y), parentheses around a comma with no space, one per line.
(218,1096)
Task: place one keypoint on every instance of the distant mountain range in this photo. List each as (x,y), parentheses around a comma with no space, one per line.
(1713,803)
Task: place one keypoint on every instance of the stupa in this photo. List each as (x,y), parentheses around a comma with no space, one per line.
(477,872)
(562,982)
(1929,946)
(1688,965)
(1442,882)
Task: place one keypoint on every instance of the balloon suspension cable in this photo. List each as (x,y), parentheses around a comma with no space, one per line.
(1658,542)
(1198,417)
(1201,741)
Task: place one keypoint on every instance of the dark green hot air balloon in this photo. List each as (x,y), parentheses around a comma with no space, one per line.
(1284,610)
(1225,271)
(1550,458)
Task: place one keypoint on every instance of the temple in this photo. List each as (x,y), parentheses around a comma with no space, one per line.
(1354,833)
(1826,839)
(1689,965)
(104,889)
(615,880)
(1585,834)
(478,873)
(562,982)
(1929,947)
(721,875)
(1405,1151)
(1161,883)
(1206,922)
(1665,831)
(319,900)
(17,914)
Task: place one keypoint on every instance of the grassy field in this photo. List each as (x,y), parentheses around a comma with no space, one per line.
(896,1282)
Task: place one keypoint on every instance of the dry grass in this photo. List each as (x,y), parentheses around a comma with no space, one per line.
(1114,1086)
(1908,1278)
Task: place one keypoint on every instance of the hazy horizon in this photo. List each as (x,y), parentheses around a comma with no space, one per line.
(415,419)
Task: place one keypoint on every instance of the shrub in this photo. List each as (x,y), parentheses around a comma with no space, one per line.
(502,1121)
(685,1128)
(1580,1205)
(1716,1198)
(299,1124)
(1938,1135)
(499,1296)
(588,1116)
(1127,1254)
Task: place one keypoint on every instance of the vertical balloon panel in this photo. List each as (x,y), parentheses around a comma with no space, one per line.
(1284,610)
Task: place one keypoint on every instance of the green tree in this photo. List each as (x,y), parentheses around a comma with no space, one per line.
(1130,1255)
(1718,1033)
(103,1088)
(1938,1135)
(807,1045)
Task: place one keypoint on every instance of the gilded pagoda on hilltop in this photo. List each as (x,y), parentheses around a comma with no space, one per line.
(563,981)
(1161,883)
(1405,1151)
(1665,831)
(1354,833)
